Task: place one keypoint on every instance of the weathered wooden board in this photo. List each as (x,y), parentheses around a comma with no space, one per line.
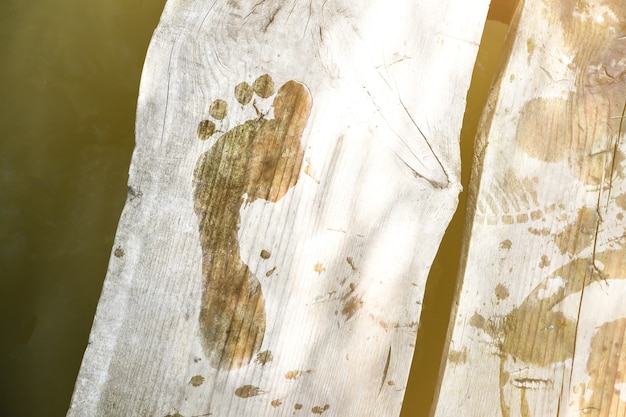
(540,323)
(296,166)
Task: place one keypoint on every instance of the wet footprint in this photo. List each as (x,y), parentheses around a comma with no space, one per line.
(258,159)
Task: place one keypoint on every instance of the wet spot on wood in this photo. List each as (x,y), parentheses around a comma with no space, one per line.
(539,232)
(351,302)
(621,201)
(319,268)
(507,219)
(537,332)
(320,409)
(295,374)
(521,201)
(298,406)
(506,244)
(351,263)
(575,130)
(206,129)
(308,170)
(196,380)
(502,292)
(257,159)
(119,252)
(530,46)
(544,262)
(270,272)
(292,374)
(457,357)
(248,391)
(243,93)
(536,215)
(608,354)
(391,383)
(383,324)
(218,109)
(549,130)
(352,305)
(477,321)
(263,358)
(580,234)
(276,403)
(263,86)
(265,254)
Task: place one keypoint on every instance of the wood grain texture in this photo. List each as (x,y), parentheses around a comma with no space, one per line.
(296,166)
(539,324)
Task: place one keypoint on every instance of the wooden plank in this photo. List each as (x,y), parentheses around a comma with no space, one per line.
(540,323)
(296,166)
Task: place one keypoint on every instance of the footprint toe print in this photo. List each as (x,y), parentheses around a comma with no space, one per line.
(257,159)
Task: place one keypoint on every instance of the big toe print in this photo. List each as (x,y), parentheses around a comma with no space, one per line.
(257,159)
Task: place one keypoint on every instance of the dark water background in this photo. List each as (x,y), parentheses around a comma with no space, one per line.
(69,77)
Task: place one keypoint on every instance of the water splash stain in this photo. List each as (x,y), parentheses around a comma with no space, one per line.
(248,391)
(320,409)
(196,380)
(539,334)
(606,368)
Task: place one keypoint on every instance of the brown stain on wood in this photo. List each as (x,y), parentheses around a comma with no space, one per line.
(580,234)
(580,129)
(457,357)
(295,374)
(501,291)
(258,159)
(319,268)
(536,332)
(352,302)
(512,201)
(196,380)
(320,409)
(606,368)
(350,262)
(247,391)
(265,357)
(583,128)
(621,201)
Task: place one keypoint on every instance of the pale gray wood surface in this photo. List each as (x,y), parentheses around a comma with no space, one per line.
(328,258)
(539,328)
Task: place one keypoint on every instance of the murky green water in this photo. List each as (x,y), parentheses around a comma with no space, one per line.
(68,85)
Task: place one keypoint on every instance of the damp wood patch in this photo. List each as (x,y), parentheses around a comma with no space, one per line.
(296,166)
(540,310)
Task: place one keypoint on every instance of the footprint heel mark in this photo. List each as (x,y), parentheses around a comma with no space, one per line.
(257,159)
